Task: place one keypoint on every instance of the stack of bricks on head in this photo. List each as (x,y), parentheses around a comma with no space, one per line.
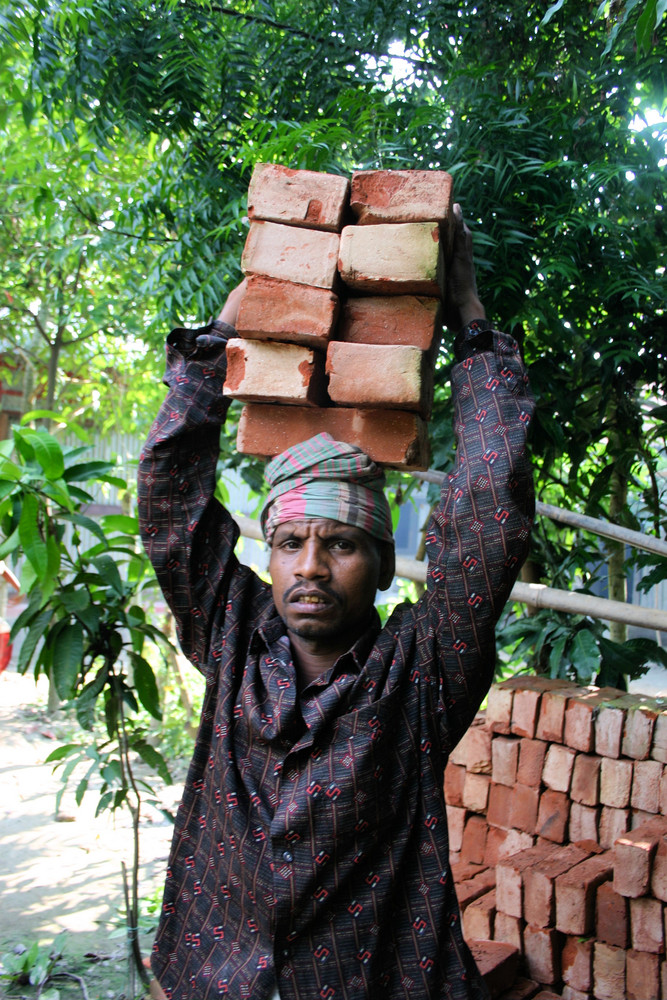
(557,808)
(341,321)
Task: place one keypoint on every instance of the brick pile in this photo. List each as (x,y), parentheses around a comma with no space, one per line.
(340,324)
(557,807)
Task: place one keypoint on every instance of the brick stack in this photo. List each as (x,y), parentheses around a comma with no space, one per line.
(340,325)
(557,806)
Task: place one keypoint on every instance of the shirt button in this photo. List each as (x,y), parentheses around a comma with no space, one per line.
(287,856)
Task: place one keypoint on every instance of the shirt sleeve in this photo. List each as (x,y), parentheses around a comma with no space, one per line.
(478,536)
(188,535)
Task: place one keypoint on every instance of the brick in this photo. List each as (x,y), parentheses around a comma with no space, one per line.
(553,816)
(304,256)
(615,782)
(647,931)
(539,879)
(522,989)
(612,917)
(496,846)
(476,791)
(646,786)
(531,762)
(547,995)
(541,953)
(576,892)
(569,993)
(642,976)
(392,259)
(478,917)
(577,963)
(633,857)
(609,724)
(454,777)
(390,437)
(474,839)
(557,770)
(409,320)
(499,709)
(663,792)
(474,748)
(456,821)
(659,871)
(638,818)
(551,719)
(505,760)
(524,807)
(298,197)
(500,806)
(525,711)
(285,311)
(608,972)
(659,747)
(471,889)
(266,372)
(508,929)
(406,383)
(638,730)
(517,841)
(497,962)
(509,878)
(580,715)
(614,823)
(464,870)
(585,785)
(584,822)
(378,196)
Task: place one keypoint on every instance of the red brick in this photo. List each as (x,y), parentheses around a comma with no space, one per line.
(612,917)
(476,792)
(647,925)
(577,963)
(471,889)
(405,259)
(464,870)
(497,962)
(297,197)
(551,720)
(642,976)
(474,748)
(584,822)
(538,883)
(547,995)
(285,311)
(478,917)
(499,709)
(585,786)
(304,256)
(505,760)
(500,806)
(659,871)
(557,770)
(271,372)
(646,786)
(579,729)
(576,892)
(456,821)
(609,725)
(454,777)
(389,437)
(523,811)
(508,929)
(525,710)
(659,747)
(638,730)
(517,841)
(615,782)
(406,383)
(410,320)
(553,816)
(509,878)
(614,823)
(608,972)
(569,993)
(541,952)
(522,989)
(633,857)
(496,846)
(378,196)
(531,762)
(474,840)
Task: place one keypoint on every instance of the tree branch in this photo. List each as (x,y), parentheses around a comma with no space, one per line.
(122,232)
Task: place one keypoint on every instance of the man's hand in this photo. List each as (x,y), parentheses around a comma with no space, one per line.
(230,310)
(462,303)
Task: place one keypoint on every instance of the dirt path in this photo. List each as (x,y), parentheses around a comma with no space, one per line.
(62,873)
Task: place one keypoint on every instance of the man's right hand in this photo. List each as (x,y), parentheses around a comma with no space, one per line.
(230,310)
(462,303)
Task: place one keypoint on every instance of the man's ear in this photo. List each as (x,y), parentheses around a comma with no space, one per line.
(387,565)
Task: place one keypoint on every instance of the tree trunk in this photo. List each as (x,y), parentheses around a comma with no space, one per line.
(617,581)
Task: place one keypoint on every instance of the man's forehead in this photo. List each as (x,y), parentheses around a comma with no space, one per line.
(321,527)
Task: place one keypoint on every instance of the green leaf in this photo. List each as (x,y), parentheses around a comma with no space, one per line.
(147,689)
(48,452)
(67,657)
(108,570)
(10,544)
(81,790)
(153,758)
(585,656)
(33,544)
(32,639)
(121,522)
(61,752)
(84,471)
(646,25)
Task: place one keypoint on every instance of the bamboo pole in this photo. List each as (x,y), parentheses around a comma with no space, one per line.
(537,595)
(636,539)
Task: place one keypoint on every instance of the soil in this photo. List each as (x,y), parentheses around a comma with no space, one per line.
(62,872)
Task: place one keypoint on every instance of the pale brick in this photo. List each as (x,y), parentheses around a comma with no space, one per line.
(505,760)
(584,822)
(297,197)
(454,778)
(509,929)
(378,196)
(265,372)
(409,320)
(659,871)
(524,808)
(538,883)
(557,770)
(614,823)
(633,857)
(609,724)
(577,963)
(285,311)
(615,782)
(499,709)
(304,256)
(576,893)
(646,786)
(509,878)
(473,750)
(390,437)
(456,821)
(406,382)
(608,972)
(659,747)
(638,730)
(585,785)
(393,259)
(541,953)
(642,976)
(580,717)
(551,719)
(496,849)
(569,993)
(476,792)
(479,916)
(647,925)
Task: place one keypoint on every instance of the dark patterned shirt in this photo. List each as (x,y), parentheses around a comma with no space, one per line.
(310,851)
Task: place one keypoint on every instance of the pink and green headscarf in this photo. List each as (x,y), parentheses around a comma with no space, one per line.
(322,477)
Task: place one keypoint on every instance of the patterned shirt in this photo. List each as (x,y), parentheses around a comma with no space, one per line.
(310,851)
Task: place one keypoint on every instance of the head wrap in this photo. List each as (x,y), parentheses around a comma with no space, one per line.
(322,477)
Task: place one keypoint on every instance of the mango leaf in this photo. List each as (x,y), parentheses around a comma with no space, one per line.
(83,471)
(585,656)
(61,752)
(10,544)
(121,522)
(32,640)
(47,451)
(67,654)
(32,542)
(153,758)
(87,523)
(108,570)
(81,790)
(104,803)
(144,682)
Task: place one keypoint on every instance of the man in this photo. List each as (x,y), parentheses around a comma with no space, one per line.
(310,854)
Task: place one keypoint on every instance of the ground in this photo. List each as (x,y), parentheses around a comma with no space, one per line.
(63,872)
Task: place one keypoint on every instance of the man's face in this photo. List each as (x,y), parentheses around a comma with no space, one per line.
(325,576)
